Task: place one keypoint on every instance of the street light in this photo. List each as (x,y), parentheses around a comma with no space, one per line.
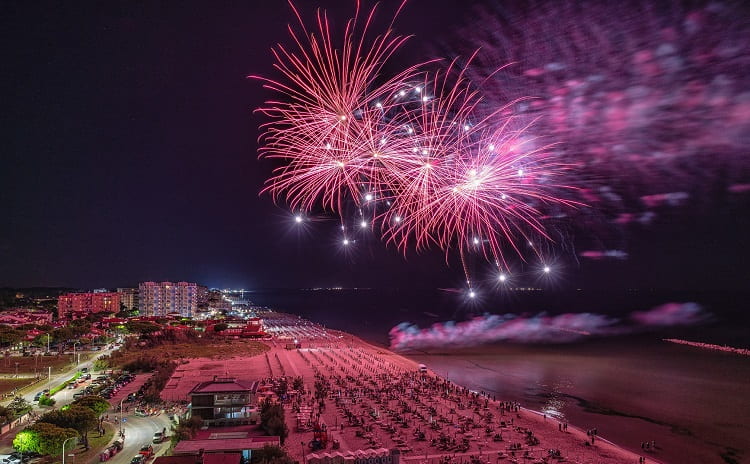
(74,351)
(120,420)
(63,448)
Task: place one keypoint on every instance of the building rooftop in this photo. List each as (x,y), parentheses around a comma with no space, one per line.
(228,432)
(225,385)
(187,459)
(223,445)
(222,458)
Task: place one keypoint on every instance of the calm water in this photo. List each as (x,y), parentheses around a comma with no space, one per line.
(694,403)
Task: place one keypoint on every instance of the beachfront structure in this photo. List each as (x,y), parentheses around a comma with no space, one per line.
(224,401)
(163,298)
(78,305)
(364,456)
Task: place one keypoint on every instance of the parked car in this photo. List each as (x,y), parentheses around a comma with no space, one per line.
(79,395)
(37,396)
(158,437)
(138,459)
(8,459)
(147,451)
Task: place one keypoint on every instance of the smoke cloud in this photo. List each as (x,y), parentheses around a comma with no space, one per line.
(541,328)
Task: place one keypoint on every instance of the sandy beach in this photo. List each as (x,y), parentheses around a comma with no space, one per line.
(374,398)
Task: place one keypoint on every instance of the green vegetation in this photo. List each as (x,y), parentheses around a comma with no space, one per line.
(142,327)
(272,420)
(43,438)
(270,454)
(94,402)
(220,327)
(186,429)
(46,400)
(19,406)
(79,418)
(64,384)
(97,443)
(101,363)
(10,336)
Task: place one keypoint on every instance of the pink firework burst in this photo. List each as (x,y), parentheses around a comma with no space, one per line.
(414,150)
(330,118)
(472,183)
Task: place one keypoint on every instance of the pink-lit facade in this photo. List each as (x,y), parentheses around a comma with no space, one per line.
(165,298)
(77,305)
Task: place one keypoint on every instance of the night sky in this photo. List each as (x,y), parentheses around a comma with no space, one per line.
(129,154)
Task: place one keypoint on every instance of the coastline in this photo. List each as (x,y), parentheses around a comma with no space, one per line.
(377,399)
(533,415)
(688,400)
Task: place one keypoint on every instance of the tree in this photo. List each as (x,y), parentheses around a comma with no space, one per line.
(272,420)
(79,418)
(19,405)
(186,429)
(141,327)
(9,335)
(270,454)
(6,414)
(220,327)
(94,402)
(42,438)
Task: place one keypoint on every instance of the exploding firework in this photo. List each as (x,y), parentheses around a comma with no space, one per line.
(412,152)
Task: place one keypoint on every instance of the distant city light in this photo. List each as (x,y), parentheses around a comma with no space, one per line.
(547,269)
(298,219)
(363,224)
(369,197)
(346,241)
(472,294)
(503,278)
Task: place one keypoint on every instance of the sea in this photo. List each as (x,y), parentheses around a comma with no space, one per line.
(634,387)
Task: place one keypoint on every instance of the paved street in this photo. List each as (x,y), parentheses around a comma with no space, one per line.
(138,430)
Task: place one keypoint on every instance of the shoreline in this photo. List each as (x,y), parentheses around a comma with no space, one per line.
(532,413)
(376,398)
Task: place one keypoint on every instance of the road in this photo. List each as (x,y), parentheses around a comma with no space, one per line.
(138,430)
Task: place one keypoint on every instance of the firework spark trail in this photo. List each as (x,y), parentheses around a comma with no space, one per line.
(413,154)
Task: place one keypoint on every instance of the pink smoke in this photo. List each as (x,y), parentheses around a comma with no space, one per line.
(671,314)
(541,328)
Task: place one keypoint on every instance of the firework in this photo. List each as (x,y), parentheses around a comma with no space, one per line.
(412,152)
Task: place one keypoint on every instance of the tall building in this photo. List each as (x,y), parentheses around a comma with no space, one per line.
(129,298)
(77,305)
(163,298)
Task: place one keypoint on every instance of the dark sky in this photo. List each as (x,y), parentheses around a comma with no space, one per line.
(129,154)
